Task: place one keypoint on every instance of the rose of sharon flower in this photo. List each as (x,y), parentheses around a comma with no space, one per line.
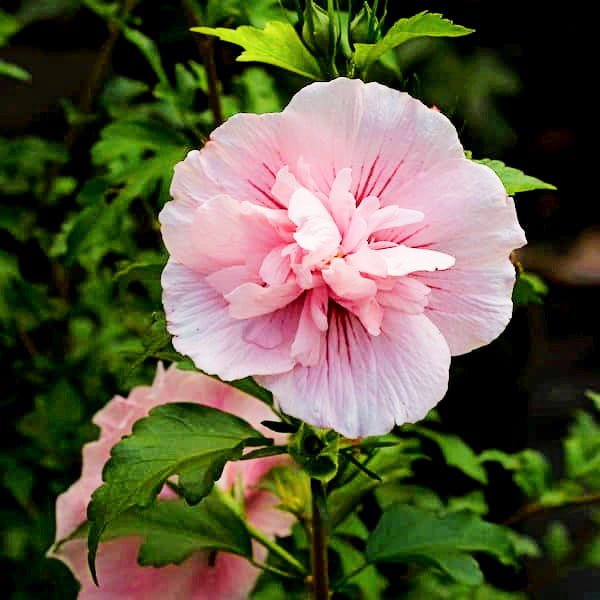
(231,577)
(341,251)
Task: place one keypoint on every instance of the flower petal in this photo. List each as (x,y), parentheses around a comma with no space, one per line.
(253,300)
(380,133)
(403,260)
(367,384)
(317,232)
(467,214)
(470,307)
(198,318)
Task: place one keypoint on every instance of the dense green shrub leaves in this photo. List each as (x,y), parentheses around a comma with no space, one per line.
(423,24)
(188,440)
(410,535)
(515,181)
(277,44)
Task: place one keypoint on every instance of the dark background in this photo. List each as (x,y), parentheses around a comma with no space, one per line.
(534,108)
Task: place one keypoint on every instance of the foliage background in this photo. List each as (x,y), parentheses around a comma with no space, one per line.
(85,162)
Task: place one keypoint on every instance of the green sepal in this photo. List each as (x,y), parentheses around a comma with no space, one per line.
(316,451)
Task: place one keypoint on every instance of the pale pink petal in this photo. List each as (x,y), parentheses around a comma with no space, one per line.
(403,372)
(225,233)
(383,135)
(467,214)
(276,266)
(471,307)
(202,328)
(263,513)
(317,232)
(285,185)
(408,295)
(393,216)
(347,282)
(319,306)
(121,577)
(403,260)
(253,300)
(309,344)
(225,280)
(370,314)
(341,202)
(368,261)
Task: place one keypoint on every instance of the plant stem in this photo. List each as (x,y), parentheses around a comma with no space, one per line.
(350,575)
(274,570)
(318,548)
(206,47)
(534,508)
(272,546)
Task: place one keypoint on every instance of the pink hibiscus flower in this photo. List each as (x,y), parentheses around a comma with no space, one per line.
(231,577)
(341,251)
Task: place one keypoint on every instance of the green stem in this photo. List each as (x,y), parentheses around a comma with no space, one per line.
(318,548)
(275,548)
(342,582)
(274,570)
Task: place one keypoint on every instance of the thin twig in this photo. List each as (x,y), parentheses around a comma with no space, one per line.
(534,509)
(342,582)
(274,570)
(206,47)
(272,546)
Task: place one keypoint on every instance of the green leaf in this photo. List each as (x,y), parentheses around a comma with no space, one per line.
(514,181)
(456,452)
(557,541)
(9,25)
(258,91)
(250,387)
(423,24)
(409,535)
(15,71)
(529,289)
(531,469)
(188,440)
(415,495)
(149,49)
(172,530)
(473,501)
(369,581)
(139,271)
(391,464)
(582,450)
(277,44)
(594,397)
